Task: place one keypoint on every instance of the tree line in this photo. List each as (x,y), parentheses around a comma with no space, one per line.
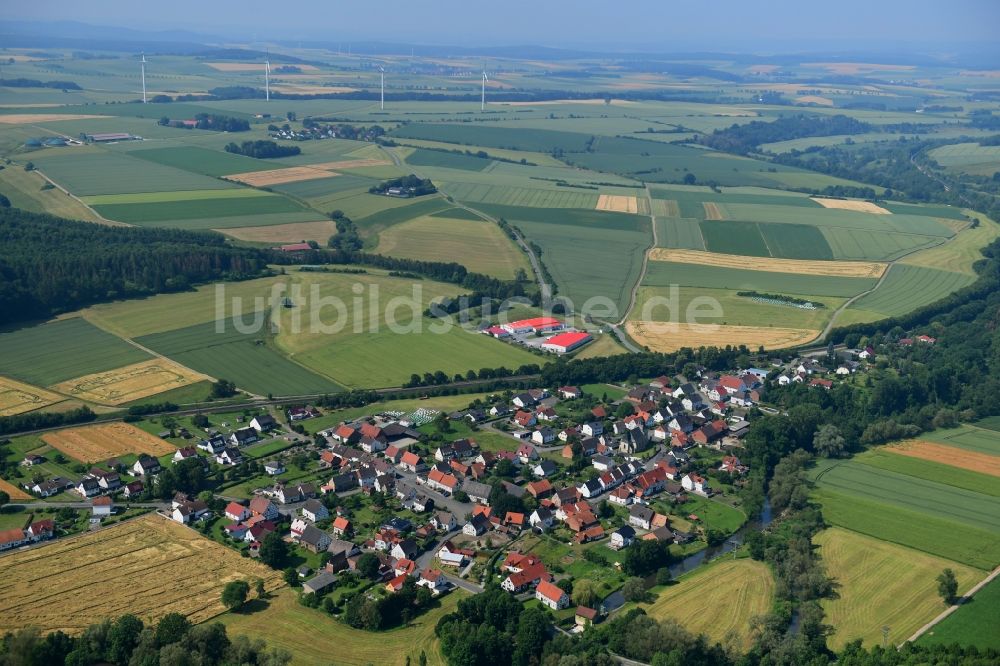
(262,149)
(51,265)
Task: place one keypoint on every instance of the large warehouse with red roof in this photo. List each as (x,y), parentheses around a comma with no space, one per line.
(535,325)
(566,342)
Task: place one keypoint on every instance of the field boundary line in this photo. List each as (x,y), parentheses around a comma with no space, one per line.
(107,222)
(954,607)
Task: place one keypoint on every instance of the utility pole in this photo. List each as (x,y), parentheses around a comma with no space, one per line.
(885,635)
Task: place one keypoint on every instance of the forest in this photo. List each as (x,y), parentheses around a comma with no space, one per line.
(413,185)
(51,265)
(262,149)
(743,139)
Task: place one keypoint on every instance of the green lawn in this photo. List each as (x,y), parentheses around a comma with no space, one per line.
(54,352)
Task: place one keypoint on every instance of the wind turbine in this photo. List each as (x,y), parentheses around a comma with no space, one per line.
(143,66)
(267,78)
(482,106)
(382,96)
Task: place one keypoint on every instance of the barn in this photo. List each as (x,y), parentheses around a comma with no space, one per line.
(533,325)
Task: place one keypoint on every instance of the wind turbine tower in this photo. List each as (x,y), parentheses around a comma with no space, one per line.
(267,78)
(143,66)
(382,94)
(482,105)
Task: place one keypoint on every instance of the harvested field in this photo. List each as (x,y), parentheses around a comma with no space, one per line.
(13,491)
(948,455)
(132,382)
(671,336)
(293,232)
(857,67)
(713,211)
(350,164)
(107,440)
(851,204)
(16,397)
(300,89)
(814,99)
(279,176)
(252,67)
(863,269)
(666,208)
(149,566)
(617,203)
(29,118)
(718,600)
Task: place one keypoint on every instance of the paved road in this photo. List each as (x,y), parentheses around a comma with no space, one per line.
(87,505)
(951,609)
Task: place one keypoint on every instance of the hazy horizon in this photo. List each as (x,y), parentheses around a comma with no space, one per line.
(728,25)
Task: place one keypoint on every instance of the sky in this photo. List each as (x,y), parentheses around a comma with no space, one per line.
(666,25)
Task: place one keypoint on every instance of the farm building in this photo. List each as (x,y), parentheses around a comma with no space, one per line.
(533,325)
(109,136)
(566,342)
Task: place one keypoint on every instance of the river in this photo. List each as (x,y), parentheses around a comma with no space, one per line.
(615,600)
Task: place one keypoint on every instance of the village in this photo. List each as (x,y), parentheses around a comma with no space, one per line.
(542,491)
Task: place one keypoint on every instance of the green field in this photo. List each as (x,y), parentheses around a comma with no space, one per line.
(203,160)
(588,253)
(53,352)
(118,173)
(730,237)
(371,225)
(535,140)
(933,498)
(528,197)
(983,439)
(164,197)
(881,584)
(974,623)
(164,211)
(680,233)
(736,310)
(940,472)
(838,218)
(970,158)
(795,241)
(478,245)
(448,160)
(907,288)
(865,245)
(244,358)
(313,637)
(665,273)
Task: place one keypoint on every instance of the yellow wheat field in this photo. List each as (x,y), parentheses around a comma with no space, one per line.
(13,491)
(814,99)
(713,211)
(666,208)
(279,176)
(17,397)
(149,567)
(350,164)
(132,382)
(106,440)
(670,336)
(617,203)
(850,204)
(863,269)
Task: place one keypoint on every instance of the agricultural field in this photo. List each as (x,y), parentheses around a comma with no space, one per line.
(528,197)
(676,232)
(794,266)
(95,443)
(17,397)
(980,465)
(882,584)
(447,160)
(24,189)
(56,351)
(665,273)
(479,245)
(79,576)
(911,511)
(14,492)
(718,600)
(202,213)
(129,383)
(984,440)
(576,246)
(533,140)
(970,158)
(247,359)
(671,336)
(292,232)
(309,634)
(974,623)
(196,159)
(907,288)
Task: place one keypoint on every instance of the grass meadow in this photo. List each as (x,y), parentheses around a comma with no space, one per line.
(974,623)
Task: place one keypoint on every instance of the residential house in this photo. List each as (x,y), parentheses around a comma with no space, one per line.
(697,484)
(214,444)
(525,419)
(243,437)
(314,539)
(569,392)
(341,526)
(314,510)
(477,492)
(441,481)
(540,489)
(591,488)
(189,511)
(544,469)
(584,617)
(146,465)
(528,577)
(622,538)
(526,453)
(541,519)
(411,462)
(102,506)
(478,525)
(551,595)
(319,583)
(263,423)
(407,548)
(41,530)
(236,511)
(434,580)
(732,465)
(542,437)
(12,538)
(592,429)
(184,453)
(261,506)
(229,456)
(444,521)
(88,487)
(641,516)
(133,489)
(524,400)
(274,468)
